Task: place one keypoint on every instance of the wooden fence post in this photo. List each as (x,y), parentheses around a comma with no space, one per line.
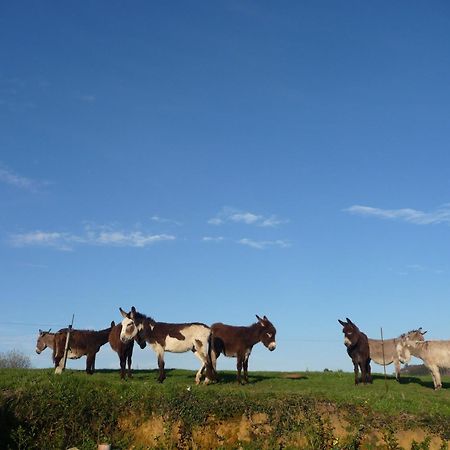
(66,348)
(384,360)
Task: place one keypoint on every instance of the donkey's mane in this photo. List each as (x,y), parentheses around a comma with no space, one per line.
(139,317)
(409,332)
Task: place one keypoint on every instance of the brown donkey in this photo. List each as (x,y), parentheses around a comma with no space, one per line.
(357,345)
(124,350)
(237,342)
(81,343)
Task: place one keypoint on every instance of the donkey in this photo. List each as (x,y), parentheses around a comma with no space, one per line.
(238,342)
(358,349)
(385,352)
(434,354)
(81,343)
(169,337)
(124,350)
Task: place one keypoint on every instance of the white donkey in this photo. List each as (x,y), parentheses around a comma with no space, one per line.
(434,354)
(385,352)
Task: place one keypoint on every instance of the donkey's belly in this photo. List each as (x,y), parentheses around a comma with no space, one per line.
(74,354)
(174,345)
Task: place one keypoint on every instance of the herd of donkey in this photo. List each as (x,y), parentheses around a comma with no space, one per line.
(208,343)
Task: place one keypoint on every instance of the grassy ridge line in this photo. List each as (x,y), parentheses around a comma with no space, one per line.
(41,410)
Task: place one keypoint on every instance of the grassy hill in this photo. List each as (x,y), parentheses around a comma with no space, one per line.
(275,410)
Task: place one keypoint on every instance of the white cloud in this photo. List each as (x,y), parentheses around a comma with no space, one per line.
(212,239)
(440,215)
(101,236)
(233,215)
(159,219)
(88,98)
(61,241)
(13,179)
(262,245)
(133,239)
(215,221)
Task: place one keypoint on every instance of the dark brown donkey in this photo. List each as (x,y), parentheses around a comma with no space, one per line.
(124,350)
(81,343)
(237,342)
(357,345)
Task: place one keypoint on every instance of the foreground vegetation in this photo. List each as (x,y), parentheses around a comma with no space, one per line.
(275,410)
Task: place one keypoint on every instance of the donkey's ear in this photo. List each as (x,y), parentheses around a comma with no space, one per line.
(49,330)
(265,318)
(423,332)
(113,324)
(261,321)
(133,312)
(342,323)
(349,321)
(40,331)
(124,314)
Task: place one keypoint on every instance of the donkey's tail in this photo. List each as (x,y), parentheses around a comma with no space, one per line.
(210,371)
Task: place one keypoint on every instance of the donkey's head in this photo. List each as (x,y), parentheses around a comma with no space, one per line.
(41,343)
(407,342)
(140,339)
(415,335)
(268,332)
(351,332)
(129,327)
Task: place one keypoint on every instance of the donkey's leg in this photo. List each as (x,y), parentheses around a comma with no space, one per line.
(368,371)
(362,368)
(58,362)
(397,369)
(355,369)
(129,355)
(162,374)
(240,361)
(122,358)
(436,376)
(213,355)
(246,368)
(90,363)
(203,359)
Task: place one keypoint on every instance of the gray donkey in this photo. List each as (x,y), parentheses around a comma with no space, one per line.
(391,353)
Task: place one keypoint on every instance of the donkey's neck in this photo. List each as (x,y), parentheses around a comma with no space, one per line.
(255,333)
(148,324)
(49,340)
(102,336)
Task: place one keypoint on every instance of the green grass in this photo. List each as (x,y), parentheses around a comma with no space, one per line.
(77,409)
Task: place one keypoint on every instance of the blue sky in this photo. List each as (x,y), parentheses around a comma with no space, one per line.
(209,161)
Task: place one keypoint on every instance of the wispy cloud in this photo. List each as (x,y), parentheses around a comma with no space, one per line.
(262,245)
(440,215)
(213,239)
(232,215)
(101,236)
(417,269)
(88,98)
(12,178)
(164,220)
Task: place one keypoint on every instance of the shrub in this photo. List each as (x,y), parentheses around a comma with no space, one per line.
(14,359)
